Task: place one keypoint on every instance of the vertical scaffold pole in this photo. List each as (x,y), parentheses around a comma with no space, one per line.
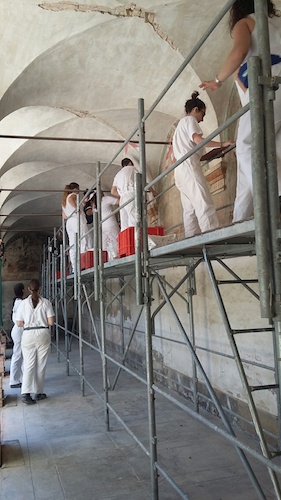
(102,301)
(96,253)
(63,277)
(190,293)
(79,298)
(55,293)
(49,270)
(147,309)
(259,187)
(43,271)
(268,94)
(138,238)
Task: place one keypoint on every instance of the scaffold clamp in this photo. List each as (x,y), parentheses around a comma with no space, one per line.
(270,81)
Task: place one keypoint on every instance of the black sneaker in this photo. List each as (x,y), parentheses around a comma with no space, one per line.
(39,397)
(27,399)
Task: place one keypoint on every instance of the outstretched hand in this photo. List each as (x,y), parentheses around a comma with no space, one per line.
(227,143)
(210,85)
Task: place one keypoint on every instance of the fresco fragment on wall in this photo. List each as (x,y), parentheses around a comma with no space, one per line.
(22,257)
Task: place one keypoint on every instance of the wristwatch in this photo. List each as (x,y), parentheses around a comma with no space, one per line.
(217,80)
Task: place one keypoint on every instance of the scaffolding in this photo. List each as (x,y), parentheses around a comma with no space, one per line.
(142,274)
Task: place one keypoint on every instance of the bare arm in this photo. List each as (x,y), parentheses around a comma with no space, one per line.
(51,320)
(114,192)
(63,214)
(241,34)
(197,138)
(20,323)
(73,200)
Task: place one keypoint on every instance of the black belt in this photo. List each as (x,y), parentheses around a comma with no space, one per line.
(35,327)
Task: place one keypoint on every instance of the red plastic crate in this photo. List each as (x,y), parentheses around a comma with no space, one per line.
(156,230)
(126,239)
(59,276)
(87,259)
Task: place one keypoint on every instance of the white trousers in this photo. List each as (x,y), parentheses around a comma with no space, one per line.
(16,360)
(35,346)
(89,237)
(110,240)
(127,214)
(243,205)
(71,228)
(199,213)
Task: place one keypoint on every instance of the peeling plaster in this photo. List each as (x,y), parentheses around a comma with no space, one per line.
(86,114)
(130,10)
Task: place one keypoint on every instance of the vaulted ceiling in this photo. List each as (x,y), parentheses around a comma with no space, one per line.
(73,70)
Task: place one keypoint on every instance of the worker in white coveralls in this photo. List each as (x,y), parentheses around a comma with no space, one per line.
(199,213)
(16,334)
(123,188)
(243,29)
(70,213)
(35,314)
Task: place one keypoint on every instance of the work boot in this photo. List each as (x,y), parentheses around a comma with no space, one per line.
(27,399)
(39,397)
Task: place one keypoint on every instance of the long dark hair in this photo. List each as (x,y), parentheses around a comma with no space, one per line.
(243,8)
(68,189)
(34,287)
(18,289)
(194,102)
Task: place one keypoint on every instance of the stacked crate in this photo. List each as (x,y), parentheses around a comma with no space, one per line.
(126,239)
(3,342)
(87,259)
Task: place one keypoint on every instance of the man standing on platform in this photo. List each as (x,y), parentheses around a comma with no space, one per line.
(123,188)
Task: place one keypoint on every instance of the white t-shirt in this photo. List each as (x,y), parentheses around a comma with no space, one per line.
(107,205)
(124,179)
(182,140)
(16,305)
(35,317)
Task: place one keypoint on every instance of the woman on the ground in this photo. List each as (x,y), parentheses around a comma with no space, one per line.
(16,334)
(35,314)
(199,213)
(243,30)
(69,212)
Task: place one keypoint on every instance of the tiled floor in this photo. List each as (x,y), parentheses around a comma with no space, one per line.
(59,448)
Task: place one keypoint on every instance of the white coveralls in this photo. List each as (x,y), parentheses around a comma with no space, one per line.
(243,205)
(16,360)
(35,344)
(124,183)
(110,228)
(199,213)
(72,229)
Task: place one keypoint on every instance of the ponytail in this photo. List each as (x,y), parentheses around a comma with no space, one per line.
(194,102)
(34,288)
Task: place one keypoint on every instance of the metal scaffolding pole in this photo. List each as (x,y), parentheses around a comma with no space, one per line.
(268,86)
(147,313)
(190,293)
(102,303)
